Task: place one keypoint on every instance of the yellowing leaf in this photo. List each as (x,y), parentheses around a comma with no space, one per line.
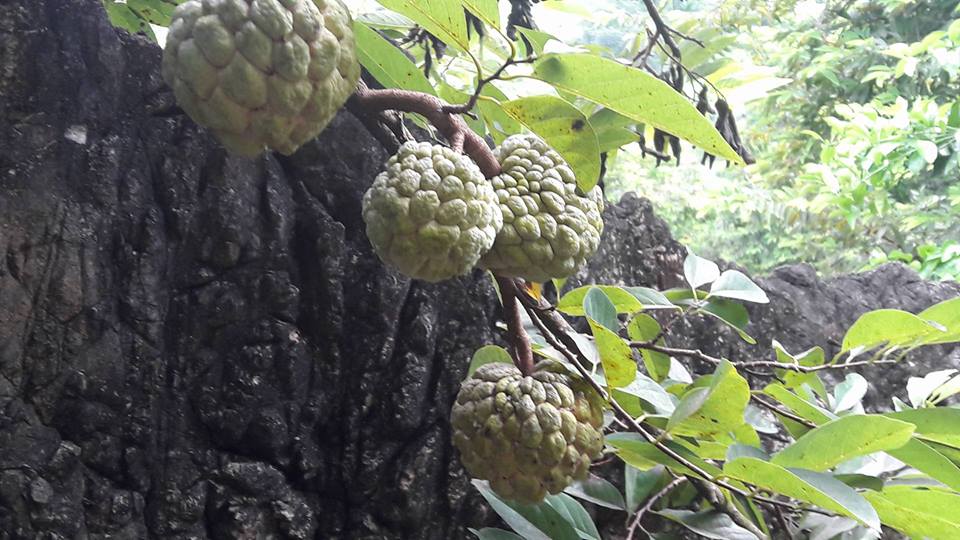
(635,94)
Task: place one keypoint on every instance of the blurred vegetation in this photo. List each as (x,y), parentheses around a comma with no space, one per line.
(851,110)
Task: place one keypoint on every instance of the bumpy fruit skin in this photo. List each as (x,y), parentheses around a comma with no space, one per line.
(261,73)
(527,435)
(431,213)
(550,228)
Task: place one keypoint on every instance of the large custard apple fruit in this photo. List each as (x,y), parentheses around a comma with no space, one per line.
(431,213)
(527,435)
(550,228)
(261,73)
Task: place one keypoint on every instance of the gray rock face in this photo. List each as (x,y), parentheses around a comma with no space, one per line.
(199,346)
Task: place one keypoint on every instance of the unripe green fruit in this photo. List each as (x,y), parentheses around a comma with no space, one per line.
(550,228)
(431,213)
(261,73)
(528,436)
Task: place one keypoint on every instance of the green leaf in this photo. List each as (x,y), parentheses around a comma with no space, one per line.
(643,327)
(157,12)
(386,63)
(849,393)
(642,390)
(863,481)
(722,409)
(650,298)
(709,524)
(635,94)
(639,484)
(566,129)
(486,10)
(920,388)
(690,403)
(122,16)
(442,18)
(488,354)
(638,453)
(818,489)
(938,424)
(699,271)
(619,367)
(803,408)
(889,327)
(489,533)
(919,512)
(624,301)
(611,139)
(946,314)
(575,514)
(732,314)
(500,124)
(734,284)
(926,459)
(537,38)
(532,522)
(842,439)
(598,491)
(597,306)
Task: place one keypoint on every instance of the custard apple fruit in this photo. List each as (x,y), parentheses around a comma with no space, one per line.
(431,213)
(527,435)
(550,228)
(261,73)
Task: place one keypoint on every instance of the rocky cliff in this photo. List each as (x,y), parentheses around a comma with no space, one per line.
(194,345)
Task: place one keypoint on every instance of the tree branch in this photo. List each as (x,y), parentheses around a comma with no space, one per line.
(468,106)
(653,500)
(662,27)
(451,126)
(520,341)
(700,355)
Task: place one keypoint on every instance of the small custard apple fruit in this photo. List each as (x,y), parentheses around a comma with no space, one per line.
(550,228)
(527,435)
(261,73)
(431,213)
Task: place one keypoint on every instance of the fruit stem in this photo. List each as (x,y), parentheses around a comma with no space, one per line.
(522,351)
(450,125)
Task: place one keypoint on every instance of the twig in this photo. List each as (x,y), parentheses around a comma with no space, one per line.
(781,519)
(641,58)
(468,106)
(451,126)
(723,503)
(650,502)
(785,413)
(661,26)
(691,39)
(700,355)
(519,340)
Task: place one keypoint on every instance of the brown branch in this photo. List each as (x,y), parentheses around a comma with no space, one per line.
(662,27)
(700,355)
(451,126)
(641,58)
(785,413)
(468,106)
(519,340)
(653,500)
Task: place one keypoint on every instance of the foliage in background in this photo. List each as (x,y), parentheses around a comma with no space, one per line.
(856,156)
